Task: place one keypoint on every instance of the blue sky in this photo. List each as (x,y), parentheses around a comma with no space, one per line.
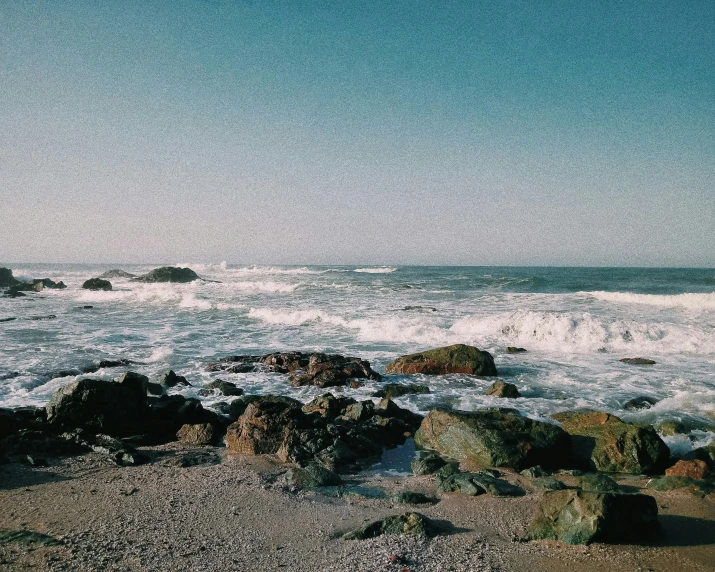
(407,132)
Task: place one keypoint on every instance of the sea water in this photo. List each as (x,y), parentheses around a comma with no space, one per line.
(575,323)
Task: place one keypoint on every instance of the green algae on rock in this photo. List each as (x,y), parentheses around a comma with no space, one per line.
(458,358)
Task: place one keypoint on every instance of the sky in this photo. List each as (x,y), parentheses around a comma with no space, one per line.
(388,132)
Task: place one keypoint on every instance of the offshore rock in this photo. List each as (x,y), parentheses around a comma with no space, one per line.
(392,390)
(580,517)
(116,273)
(502,389)
(51,284)
(451,359)
(221,387)
(410,523)
(97,284)
(603,442)
(7,279)
(170,379)
(637,403)
(515,350)
(168,274)
(637,361)
(493,438)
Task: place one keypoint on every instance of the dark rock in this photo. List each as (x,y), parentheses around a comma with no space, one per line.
(706,453)
(168,274)
(14,419)
(602,442)
(410,497)
(502,389)
(670,428)
(97,284)
(310,477)
(193,459)
(41,443)
(451,359)
(116,408)
(515,350)
(695,487)
(474,484)
(47,283)
(427,464)
(548,484)
(535,472)
(118,451)
(199,434)
(221,387)
(324,370)
(392,390)
(168,413)
(170,379)
(580,517)
(419,308)
(493,438)
(410,523)
(155,389)
(47,317)
(27,538)
(116,273)
(14,292)
(11,319)
(35,461)
(637,361)
(598,483)
(7,279)
(637,403)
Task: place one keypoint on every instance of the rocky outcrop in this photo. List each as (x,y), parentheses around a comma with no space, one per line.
(451,359)
(493,438)
(116,273)
(392,390)
(502,389)
(337,433)
(410,523)
(603,442)
(7,279)
(220,387)
(51,284)
(580,517)
(97,284)
(169,274)
(515,350)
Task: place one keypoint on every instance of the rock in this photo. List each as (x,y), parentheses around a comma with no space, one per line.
(170,379)
(47,317)
(706,454)
(14,419)
(310,477)
(35,442)
(14,292)
(515,350)
(535,472)
(580,517)
(637,361)
(325,370)
(7,279)
(169,413)
(410,497)
(27,538)
(598,483)
(410,523)
(116,273)
(451,359)
(199,434)
(155,389)
(695,469)
(692,486)
(548,484)
(193,459)
(474,484)
(47,283)
(502,389)
(493,438)
(419,308)
(638,403)
(118,451)
(360,411)
(168,274)
(115,408)
(392,390)
(221,387)
(670,428)
(603,442)
(427,464)
(97,284)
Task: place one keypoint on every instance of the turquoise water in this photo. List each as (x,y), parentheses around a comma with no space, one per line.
(576,323)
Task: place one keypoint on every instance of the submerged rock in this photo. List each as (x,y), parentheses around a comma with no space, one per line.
(637,361)
(116,273)
(502,389)
(169,274)
(97,284)
(493,438)
(603,442)
(170,379)
(580,517)
(515,350)
(392,390)
(637,403)
(410,523)
(451,359)
(221,387)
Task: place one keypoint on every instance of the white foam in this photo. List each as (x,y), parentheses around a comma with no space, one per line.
(267,287)
(377,270)
(692,301)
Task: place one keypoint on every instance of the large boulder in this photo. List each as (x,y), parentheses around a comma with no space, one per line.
(112,407)
(493,438)
(199,434)
(168,274)
(603,442)
(116,273)
(451,359)
(581,517)
(411,523)
(7,279)
(502,389)
(97,284)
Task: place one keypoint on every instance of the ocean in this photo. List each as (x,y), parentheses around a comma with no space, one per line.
(575,323)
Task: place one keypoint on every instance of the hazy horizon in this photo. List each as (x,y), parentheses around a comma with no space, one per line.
(406,133)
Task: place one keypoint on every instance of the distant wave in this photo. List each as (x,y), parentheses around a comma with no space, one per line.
(690,300)
(377,270)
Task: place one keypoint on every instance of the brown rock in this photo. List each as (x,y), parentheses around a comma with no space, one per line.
(695,469)
(502,389)
(457,358)
(199,434)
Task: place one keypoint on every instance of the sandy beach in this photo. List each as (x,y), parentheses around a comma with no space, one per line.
(236,515)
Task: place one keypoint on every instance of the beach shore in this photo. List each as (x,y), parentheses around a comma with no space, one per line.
(235,514)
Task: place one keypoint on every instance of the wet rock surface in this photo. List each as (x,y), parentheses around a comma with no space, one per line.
(502,389)
(169,274)
(97,284)
(457,358)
